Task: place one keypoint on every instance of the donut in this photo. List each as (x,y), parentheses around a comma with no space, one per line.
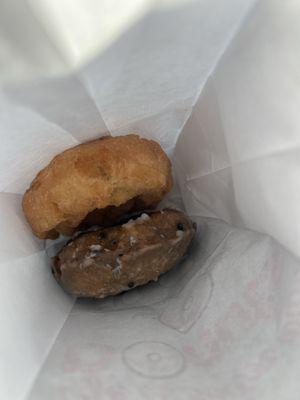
(111,260)
(96,183)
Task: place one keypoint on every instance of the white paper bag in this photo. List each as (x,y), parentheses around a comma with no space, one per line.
(217,84)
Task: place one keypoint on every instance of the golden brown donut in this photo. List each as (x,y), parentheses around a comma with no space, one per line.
(96,182)
(112,260)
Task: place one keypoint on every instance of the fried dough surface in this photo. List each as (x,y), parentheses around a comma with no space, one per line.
(97,182)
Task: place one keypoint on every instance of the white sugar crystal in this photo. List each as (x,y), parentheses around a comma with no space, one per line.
(139,220)
(179,234)
(132,240)
(95,247)
(129,224)
(118,267)
(144,217)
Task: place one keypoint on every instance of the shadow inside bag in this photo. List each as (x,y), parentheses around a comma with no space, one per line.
(206,323)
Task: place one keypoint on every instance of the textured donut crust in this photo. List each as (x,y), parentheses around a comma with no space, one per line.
(112,175)
(112,260)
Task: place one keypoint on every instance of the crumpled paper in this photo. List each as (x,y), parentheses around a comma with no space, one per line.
(216,82)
